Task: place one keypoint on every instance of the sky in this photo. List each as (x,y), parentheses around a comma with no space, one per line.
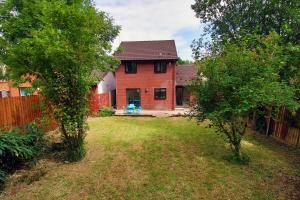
(155,20)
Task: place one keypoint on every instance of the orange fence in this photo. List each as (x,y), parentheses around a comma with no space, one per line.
(19,111)
(105,100)
(97,101)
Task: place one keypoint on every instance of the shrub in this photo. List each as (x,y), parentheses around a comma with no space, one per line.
(17,149)
(2,178)
(105,112)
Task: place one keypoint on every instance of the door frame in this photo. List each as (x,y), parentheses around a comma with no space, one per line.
(176,93)
(140,98)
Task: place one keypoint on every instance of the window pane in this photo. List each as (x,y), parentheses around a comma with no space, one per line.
(22,92)
(130,67)
(160,67)
(160,93)
(25,92)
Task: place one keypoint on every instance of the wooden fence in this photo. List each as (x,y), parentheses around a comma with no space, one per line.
(19,111)
(105,100)
(97,101)
(279,128)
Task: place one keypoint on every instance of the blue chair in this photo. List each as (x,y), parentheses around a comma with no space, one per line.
(139,109)
(130,108)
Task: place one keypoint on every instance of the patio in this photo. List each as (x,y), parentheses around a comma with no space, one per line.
(155,113)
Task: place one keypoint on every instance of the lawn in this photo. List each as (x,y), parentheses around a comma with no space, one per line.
(163,158)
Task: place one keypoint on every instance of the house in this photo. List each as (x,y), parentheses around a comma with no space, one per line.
(147,76)
(184,74)
(7,89)
(103,94)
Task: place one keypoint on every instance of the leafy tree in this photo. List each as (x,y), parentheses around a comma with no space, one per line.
(59,43)
(182,62)
(229,20)
(2,72)
(242,78)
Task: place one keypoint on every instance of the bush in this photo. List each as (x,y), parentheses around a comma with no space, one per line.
(17,149)
(2,178)
(105,112)
(243,160)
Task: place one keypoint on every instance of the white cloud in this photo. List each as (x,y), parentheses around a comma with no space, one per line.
(154,20)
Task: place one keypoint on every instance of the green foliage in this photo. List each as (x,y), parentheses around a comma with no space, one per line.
(260,121)
(17,149)
(182,62)
(105,112)
(2,72)
(241,79)
(3,175)
(244,159)
(75,150)
(60,43)
(229,19)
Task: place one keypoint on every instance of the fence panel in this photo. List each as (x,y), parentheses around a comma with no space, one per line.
(19,111)
(280,130)
(104,100)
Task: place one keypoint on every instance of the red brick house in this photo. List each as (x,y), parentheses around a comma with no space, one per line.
(147,75)
(7,89)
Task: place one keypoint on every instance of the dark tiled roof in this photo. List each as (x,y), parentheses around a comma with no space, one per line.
(185,73)
(98,74)
(148,50)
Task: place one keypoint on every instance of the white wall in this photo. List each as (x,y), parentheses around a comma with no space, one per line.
(107,84)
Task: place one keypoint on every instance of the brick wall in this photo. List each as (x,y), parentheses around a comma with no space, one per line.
(146,80)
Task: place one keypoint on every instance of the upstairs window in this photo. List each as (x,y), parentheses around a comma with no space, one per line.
(160,67)
(4,93)
(130,67)
(160,93)
(25,91)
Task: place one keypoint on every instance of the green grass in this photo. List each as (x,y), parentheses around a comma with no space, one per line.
(166,158)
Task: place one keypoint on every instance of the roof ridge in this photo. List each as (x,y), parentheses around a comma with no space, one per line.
(148,49)
(147,41)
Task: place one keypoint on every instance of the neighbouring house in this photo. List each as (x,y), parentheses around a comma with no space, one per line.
(103,94)
(148,76)
(7,89)
(184,75)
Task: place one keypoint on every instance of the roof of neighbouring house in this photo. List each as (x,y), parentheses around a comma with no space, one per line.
(185,73)
(98,73)
(148,50)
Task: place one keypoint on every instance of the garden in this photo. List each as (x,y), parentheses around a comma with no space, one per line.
(161,158)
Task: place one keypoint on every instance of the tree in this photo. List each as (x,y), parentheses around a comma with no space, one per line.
(59,43)
(2,72)
(229,20)
(183,62)
(239,79)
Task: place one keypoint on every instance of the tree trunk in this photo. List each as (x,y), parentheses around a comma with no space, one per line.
(74,142)
(237,150)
